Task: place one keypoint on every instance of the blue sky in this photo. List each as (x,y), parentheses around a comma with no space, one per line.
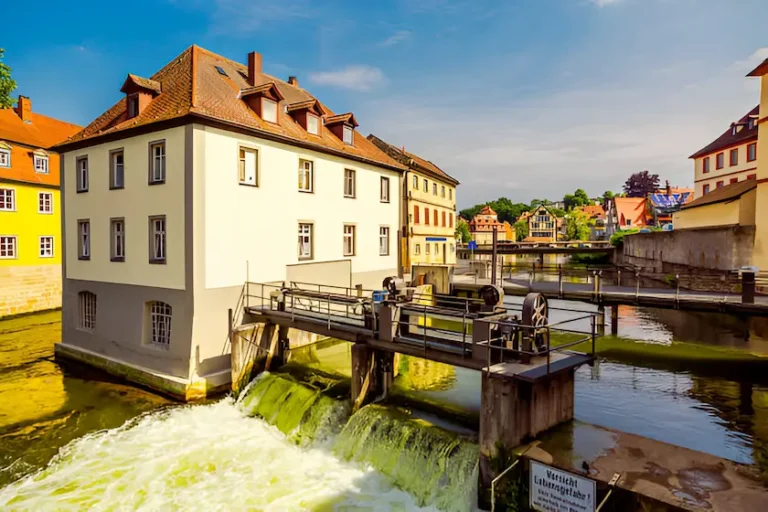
(518,98)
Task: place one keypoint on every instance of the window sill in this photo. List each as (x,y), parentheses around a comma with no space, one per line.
(349,255)
(46,257)
(160,182)
(306,258)
(349,197)
(112,187)
(84,329)
(382,201)
(44,213)
(82,191)
(117,259)
(84,258)
(9,257)
(254,185)
(157,261)
(306,191)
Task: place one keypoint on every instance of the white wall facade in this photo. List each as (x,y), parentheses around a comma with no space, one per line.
(136,202)
(251,233)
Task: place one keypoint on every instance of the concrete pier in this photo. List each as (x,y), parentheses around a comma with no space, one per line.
(513,411)
(372,374)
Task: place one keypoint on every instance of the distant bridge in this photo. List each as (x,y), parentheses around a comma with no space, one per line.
(509,247)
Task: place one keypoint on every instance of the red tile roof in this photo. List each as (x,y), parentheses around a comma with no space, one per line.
(27,136)
(726,193)
(37,130)
(728,139)
(593,211)
(192,86)
(406,158)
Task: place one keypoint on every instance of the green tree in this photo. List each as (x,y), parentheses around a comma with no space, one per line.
(608,195)
(468,213)
(462,231)
(507,210)
(578,198)
(7,84)
(577,225)
(521,229)
(557,212)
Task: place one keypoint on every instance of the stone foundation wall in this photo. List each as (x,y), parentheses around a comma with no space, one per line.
(26,289)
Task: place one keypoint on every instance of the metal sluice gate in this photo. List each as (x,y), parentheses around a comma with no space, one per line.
(478,331)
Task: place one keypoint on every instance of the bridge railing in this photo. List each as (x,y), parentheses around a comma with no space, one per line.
(567,338)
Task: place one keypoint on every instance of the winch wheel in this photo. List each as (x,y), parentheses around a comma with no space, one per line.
(390,285)
(535,315)
(490,295)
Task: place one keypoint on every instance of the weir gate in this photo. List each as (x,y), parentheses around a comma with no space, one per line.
(527,363)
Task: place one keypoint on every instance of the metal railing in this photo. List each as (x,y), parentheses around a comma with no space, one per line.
(521,332)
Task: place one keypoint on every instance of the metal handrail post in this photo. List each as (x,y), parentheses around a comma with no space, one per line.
(637,286)
(594,335)
(463,336)
(677,289)
(560,280)
(425,330)
(329,311)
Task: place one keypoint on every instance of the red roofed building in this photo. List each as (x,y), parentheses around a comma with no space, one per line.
(481,226)
(626,213)
(208,174)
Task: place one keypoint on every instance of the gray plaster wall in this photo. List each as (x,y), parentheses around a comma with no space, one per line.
(121,331)
(717,248)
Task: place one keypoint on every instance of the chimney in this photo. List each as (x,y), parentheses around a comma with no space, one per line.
(23,107)
(254,67)
(293,81)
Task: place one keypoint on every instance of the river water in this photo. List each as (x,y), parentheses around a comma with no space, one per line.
(72,438)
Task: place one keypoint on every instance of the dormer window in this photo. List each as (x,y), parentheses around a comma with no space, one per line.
(263,99)
(313,124)
(343,126)
(139,93)
(133,105)
(40,158)
(306,114)
(269,110)
(5,154)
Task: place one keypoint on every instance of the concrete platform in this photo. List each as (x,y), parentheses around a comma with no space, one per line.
(659,473)
(537,368)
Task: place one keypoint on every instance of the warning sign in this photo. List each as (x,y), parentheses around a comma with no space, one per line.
(553,490)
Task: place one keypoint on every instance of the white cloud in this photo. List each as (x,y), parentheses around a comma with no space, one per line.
(591,137)
(397,37)
(356,78)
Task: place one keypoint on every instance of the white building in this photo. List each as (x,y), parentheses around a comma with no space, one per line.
(206,176)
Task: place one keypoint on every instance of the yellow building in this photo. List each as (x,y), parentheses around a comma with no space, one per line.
(30,209)
(730,158)
(429,210)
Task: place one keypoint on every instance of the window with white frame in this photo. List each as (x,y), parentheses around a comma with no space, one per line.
(442,191)
(41,164)
(5,157)
(348,134)
(426,186)
(383,240)
(415,182)
(116,169)
(305,241)
(417,249)
(82,173)
(44,202)
(249,167)
(384,189)
(8,247)
(160,315)
(7,199)
(157,249)
(269,110)
(313,124)
(84,239)
(46,247)
(426,247)
(157,162)
(450,193)
(349,240)
(306,178)
(117,239)
(434,189)
(87,311)
(350,184)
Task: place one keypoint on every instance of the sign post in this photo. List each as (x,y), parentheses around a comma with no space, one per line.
(553,490)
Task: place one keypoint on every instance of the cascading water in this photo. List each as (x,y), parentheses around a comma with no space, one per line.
(307,454)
